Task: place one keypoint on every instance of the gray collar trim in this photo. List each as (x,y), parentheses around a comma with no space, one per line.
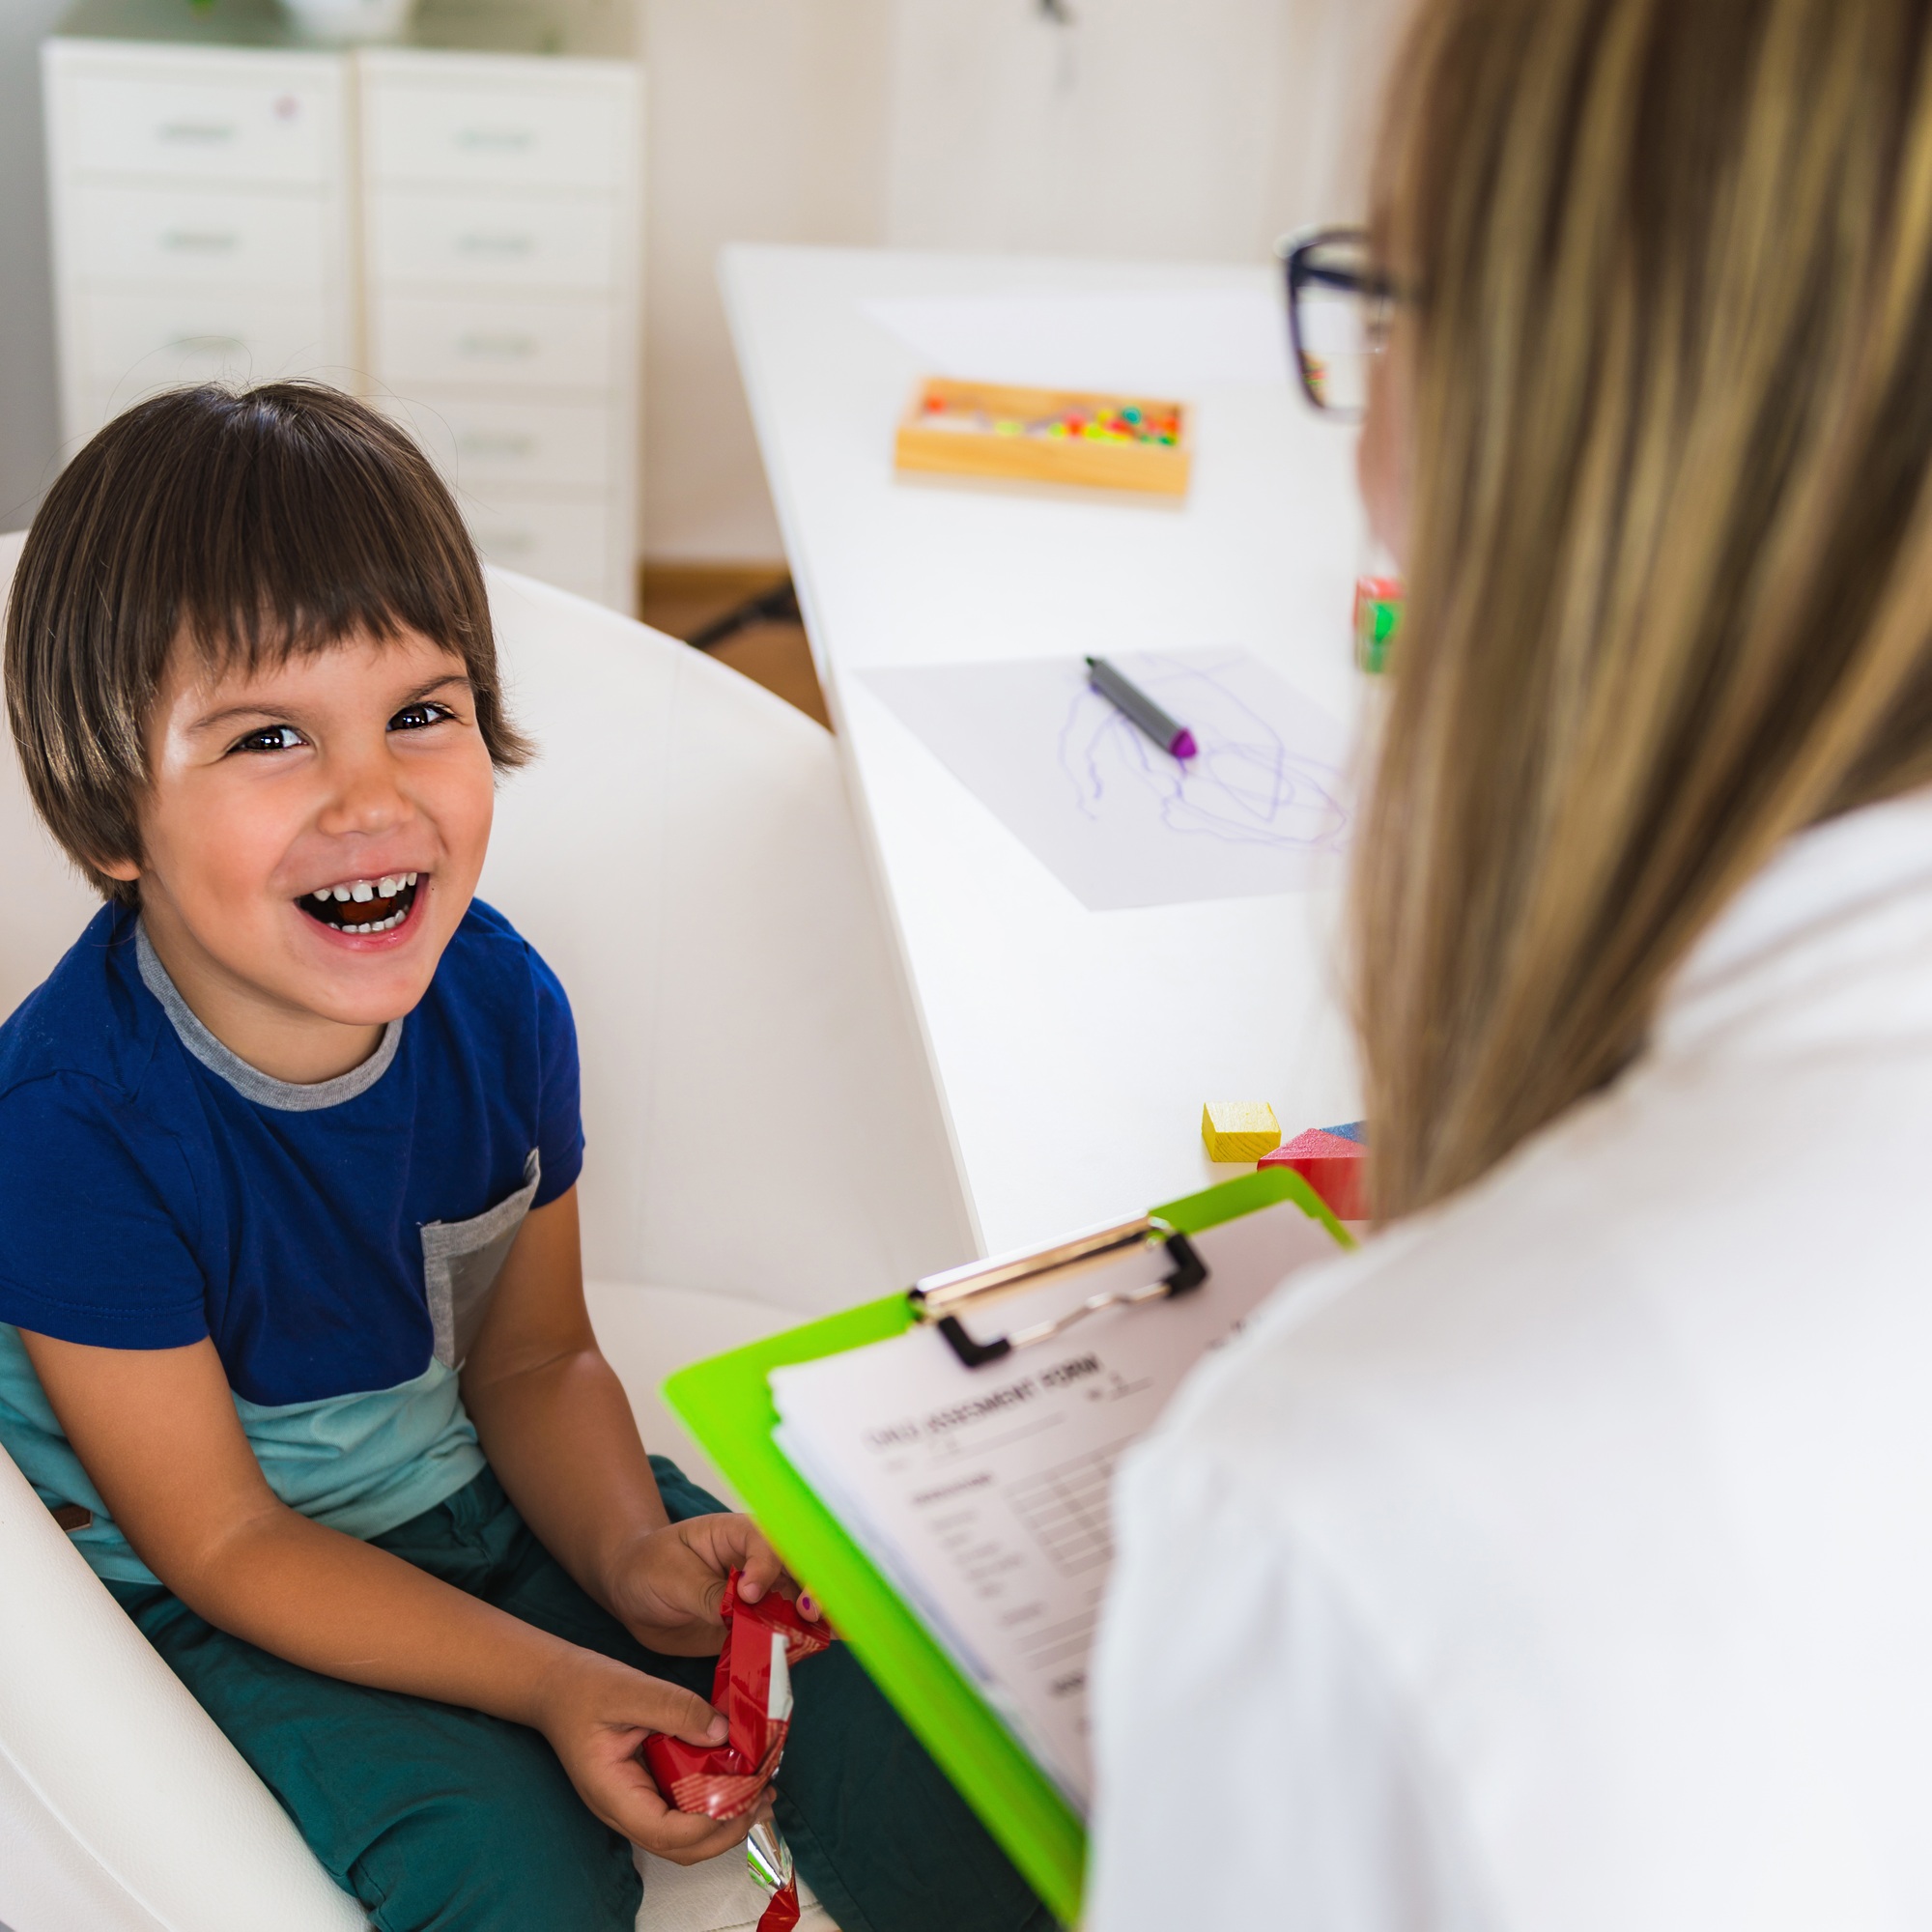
(250,1082)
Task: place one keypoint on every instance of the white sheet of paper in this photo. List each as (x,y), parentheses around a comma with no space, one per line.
(1264,808)
(984,1494)
(1165,342)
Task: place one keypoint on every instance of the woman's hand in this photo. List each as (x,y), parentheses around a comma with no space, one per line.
(596,1713)
(668,1584)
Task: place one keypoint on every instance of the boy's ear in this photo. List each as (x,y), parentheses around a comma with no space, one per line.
(127,871)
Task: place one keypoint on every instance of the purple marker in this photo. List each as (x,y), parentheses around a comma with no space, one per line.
(1168,733)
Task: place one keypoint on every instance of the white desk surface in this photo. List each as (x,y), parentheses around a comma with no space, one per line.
(1073,1049)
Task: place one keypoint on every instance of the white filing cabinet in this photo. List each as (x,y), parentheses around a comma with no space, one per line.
(453,232)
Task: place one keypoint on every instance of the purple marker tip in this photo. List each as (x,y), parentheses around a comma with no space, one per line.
(1185,747)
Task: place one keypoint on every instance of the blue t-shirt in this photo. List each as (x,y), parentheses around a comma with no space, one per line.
(338,1241)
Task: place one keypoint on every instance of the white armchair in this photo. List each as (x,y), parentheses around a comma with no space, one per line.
(763,1144)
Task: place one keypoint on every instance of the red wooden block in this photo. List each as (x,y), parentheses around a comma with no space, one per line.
(1333,1165)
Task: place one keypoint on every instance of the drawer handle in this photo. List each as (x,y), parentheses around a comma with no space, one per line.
(494,140)
(481,442)
(197,134)
(501,543)
(222,342)
(199,241)
(500,348)
(495,244)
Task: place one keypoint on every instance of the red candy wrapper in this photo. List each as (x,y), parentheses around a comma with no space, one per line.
(752,1687)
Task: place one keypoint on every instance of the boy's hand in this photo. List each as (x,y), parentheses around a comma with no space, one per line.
(596,1713)
(668,1583)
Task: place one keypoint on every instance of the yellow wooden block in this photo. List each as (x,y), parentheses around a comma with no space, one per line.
(1240,1129)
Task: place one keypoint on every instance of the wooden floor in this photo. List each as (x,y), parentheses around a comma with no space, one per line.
(681,599)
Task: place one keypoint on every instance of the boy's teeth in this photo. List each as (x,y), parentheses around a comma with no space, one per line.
(388,886)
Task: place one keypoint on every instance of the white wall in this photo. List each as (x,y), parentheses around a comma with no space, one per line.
(1135,128)
(1184,129)
(29,409)
(1336,63)
(767,124)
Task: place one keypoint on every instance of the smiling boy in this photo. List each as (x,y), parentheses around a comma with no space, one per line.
(290,1305)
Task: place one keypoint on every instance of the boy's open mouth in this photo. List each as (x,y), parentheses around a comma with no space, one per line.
(363,906)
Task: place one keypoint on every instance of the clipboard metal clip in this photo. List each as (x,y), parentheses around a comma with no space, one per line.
(938,1298)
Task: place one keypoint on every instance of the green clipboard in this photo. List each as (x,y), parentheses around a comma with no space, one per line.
(726,1404)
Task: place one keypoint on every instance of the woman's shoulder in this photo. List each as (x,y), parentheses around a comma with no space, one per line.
(1581,1463)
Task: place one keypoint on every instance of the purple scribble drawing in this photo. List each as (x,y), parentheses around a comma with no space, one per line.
(1246,787)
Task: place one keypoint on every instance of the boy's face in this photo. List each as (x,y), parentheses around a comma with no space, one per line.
(313,833)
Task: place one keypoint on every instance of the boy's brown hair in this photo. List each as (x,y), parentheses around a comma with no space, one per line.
(249,527)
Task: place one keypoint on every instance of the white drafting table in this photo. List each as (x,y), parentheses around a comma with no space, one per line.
(1072,1049)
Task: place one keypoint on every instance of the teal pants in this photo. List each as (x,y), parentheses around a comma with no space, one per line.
(437,1817)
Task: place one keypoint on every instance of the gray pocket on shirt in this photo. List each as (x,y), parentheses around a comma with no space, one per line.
(462,1261)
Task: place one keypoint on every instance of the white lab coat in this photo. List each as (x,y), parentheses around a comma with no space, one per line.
(1564,1560)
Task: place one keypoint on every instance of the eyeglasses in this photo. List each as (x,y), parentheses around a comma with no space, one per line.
(1339,309)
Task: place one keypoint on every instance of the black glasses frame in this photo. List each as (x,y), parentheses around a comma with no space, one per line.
(1302,268)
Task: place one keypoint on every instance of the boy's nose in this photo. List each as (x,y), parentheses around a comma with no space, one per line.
(366,798)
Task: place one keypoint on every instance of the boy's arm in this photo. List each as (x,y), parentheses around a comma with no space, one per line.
(158,1434)
(559,1431)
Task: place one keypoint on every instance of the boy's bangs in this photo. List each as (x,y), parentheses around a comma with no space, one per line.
(261,612)
(286,547)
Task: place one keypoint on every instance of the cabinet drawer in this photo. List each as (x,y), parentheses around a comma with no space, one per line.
(496,240)
(157,340)
(283,129)
(200,235)
(420,340)
(480,445)
(566,544)
(496,136)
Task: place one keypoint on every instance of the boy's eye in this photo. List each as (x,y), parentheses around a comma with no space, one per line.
(269,738)
(415,717)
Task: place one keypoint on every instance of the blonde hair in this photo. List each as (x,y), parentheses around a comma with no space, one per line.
(1669,563)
